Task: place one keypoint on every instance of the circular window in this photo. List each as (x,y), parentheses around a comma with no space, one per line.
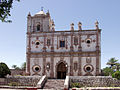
(88,41)
(88,68)
(36,68)
(37,43)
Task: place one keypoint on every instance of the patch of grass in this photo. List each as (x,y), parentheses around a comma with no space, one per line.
(76,85)
(14,84)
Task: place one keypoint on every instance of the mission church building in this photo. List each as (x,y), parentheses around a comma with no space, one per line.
(60,53)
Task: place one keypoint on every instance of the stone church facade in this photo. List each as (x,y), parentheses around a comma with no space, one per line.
(60,53)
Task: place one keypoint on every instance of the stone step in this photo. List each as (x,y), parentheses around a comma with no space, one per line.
(55,84)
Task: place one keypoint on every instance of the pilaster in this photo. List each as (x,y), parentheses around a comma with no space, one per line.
(52,67)
(71,65)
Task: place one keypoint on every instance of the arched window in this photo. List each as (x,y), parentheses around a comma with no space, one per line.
(38,27)
(75,41)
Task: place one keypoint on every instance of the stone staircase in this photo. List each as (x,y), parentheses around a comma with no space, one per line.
(54,84)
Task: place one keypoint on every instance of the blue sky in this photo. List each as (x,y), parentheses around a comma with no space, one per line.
(64,12)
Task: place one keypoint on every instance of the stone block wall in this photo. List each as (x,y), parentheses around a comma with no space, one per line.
(95,81)
(22,80)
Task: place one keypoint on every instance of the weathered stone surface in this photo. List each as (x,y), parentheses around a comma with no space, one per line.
(22,80)
(95,81)
(54,84)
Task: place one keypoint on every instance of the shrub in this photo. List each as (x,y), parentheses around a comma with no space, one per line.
(4,70)
(116,75)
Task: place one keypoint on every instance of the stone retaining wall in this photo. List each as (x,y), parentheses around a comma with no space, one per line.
(22,80)
(95,81)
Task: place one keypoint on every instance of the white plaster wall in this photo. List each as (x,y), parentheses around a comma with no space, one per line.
(92,46)
(40,46)
(36,61)
(93,63)
(46,24)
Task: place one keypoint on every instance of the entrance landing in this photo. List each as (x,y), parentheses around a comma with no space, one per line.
(56,84)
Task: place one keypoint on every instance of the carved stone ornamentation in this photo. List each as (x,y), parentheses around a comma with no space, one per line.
(88,60)
(75,66)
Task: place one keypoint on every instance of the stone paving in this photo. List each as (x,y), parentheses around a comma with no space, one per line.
(54,84)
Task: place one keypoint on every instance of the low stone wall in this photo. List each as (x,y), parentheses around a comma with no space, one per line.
(2,81)
(22,80)
(95,81)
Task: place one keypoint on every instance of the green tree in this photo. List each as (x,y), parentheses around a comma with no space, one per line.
(5,7)
(23,66)
(107,71)
(112,62)
(15,67)
(4,70)
(116,75)
(117,66)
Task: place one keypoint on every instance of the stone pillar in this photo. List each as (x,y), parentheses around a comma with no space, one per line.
(79,65)
(52,67)
(71,47)
(28,53)
(97,49)
(44,64)
(80,50)
(71,65)
(97,65)
(28,64)
(52,47)
(44,48)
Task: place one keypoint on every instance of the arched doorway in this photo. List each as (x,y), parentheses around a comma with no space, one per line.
(61,71)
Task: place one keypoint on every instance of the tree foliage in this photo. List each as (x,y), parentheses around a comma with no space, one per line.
(107,71)
(116,75)
(23,66)
(113,69)
(112,62)
(5,7)
(4,70)
(15,67)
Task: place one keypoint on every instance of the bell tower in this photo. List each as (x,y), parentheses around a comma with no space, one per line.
(40,22)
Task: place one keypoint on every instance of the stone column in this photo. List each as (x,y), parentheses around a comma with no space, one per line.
(44,64)
(52,67)
(97,50)
(71,47)
(79,50)
(44,48)
(79,65)
(28,53)
(44,56)
(97,64)
(52,47)
(71,65)
(52,57)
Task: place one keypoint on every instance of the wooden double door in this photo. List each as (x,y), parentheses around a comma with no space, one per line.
(61,71)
